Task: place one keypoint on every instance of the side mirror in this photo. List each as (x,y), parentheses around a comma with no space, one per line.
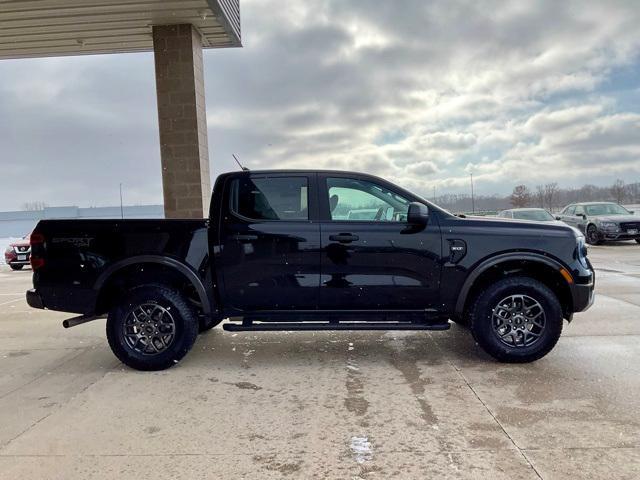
(418,214)
(558,217)
(631,212)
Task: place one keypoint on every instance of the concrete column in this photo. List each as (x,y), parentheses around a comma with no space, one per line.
(183,121)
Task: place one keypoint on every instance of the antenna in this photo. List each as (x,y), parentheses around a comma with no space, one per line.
(238,162)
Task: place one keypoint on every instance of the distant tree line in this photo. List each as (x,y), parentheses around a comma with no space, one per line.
(549,196)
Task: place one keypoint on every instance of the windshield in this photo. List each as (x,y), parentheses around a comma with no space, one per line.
(537,215)
(606,209)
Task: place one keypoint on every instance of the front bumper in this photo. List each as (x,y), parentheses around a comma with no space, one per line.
(33,299)
(17,259)
(583,296)
(619,236)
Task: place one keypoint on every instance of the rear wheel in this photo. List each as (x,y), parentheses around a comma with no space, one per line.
(151,328)
(517,320)
(16,267)
(638,240)
(593,237)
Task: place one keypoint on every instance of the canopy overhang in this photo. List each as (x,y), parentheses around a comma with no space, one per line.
(42,28)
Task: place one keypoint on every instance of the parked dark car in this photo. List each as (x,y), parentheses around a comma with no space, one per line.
(18,253)
(281,252)
(534,214)
(602,221)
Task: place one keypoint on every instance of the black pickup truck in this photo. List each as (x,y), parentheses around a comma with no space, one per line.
(312,250)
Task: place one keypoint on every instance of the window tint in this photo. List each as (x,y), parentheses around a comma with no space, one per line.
(537,215)
(281,198)
(358,200)
(607,209)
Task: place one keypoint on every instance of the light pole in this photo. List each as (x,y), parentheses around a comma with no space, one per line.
(473,203)
(121,207)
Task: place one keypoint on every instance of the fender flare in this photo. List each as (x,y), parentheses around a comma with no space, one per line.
(160,260)
(492,262)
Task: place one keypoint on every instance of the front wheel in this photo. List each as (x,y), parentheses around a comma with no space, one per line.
(638,240)
(593,237)
(151,328)
(16,267)
(517,320)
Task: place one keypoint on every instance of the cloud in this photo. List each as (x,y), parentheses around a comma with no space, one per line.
(416,92)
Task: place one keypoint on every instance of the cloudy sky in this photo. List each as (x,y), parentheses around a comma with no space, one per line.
(419,92)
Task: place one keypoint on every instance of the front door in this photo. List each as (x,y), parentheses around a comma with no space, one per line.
(371,257)
(270,257)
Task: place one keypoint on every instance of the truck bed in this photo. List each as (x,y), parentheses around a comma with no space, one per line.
(77,254)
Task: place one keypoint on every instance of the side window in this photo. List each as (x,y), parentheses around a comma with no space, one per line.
(579,210)
(569,210)
(359,200)
(279,198)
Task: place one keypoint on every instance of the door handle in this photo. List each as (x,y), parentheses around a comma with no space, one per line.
(344,238)
(244,238)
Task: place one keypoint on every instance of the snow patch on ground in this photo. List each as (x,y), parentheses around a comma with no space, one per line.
(4,243)
(361,448)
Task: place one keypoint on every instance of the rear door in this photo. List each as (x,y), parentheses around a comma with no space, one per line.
(579,220)
(270,256)
(371,257)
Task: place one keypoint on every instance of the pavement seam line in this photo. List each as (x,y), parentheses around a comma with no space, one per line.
(11,301)
(84,389)
(459,372)
(8,442)
(80,350)
(495,419)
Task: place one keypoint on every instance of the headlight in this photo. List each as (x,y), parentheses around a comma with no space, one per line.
(609,225)
(581,252)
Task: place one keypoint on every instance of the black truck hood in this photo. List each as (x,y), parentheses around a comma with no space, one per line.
(522,227)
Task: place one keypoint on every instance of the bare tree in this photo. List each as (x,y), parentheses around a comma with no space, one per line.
(550,194)
(34,206)
(619,191)
(540,196)
(521,196)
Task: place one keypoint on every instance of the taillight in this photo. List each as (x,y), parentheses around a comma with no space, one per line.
(36,240)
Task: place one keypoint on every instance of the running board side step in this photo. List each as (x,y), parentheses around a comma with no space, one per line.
(291,326)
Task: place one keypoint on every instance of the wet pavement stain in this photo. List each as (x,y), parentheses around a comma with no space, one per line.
(246,385)
(355,402)
(19,353)
(272,464)
(407,366)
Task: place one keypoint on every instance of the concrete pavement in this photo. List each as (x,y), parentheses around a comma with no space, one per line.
(326,404)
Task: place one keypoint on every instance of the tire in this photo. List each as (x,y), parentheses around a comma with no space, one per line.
(592,235)
(516,345)
(166,311)
(16,267)
(638,240)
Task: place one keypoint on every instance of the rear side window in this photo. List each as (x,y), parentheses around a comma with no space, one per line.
(569,210)
(280,198)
